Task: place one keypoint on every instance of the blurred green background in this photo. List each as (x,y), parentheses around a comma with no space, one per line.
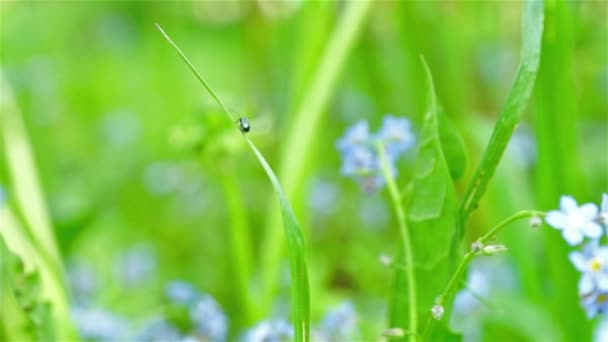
(133,153)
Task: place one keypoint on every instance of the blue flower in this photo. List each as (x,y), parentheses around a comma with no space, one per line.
(360,157)
(275,330)
(397,135)
(357,135)
(209,319)
(602,217)
(595,302)
(158,330)
(339,324)
(136,265)
(575,222)
(181,292)
(593,263)
(82,281)
(99,325)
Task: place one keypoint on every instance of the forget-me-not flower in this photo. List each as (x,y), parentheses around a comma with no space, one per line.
(593,263)
(99,325)
(575,221)
(136,265)
(397,135)
(158,329)
(181,292)
(209,319)
(595,302)
(359,149)
(339,324)
(275,330)
(602,217)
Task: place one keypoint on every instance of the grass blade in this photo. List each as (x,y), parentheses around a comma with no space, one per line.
(300,297)
(33,227)
(518,98)
(559,168)
(306,121)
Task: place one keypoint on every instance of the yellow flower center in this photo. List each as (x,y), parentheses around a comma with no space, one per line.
(596,265)
(602,298)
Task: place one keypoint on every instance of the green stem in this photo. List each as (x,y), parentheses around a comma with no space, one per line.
(299,136)
(240,240)
(405,240)
(468,257)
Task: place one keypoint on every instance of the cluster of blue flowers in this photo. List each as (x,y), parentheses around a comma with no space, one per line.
(577,223)
(338,325)
(359,150)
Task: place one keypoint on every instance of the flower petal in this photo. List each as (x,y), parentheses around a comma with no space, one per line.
(589,210)
(585,285)
(592,230)
(568,204)
(556,219)
(604,206)
(572,236)
(578,260)
(602,282)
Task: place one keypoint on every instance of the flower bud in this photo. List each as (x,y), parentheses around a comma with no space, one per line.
(386,260)
(535,222)
(437,311)
(393,332)
(476,246)
(494,249)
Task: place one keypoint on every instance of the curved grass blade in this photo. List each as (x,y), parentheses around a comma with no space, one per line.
(519,96)
(300,297)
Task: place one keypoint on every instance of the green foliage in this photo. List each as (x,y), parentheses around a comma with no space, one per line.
(559,160)
(454,150)
(300,297)
(24,314)
(432,212)
(511,113)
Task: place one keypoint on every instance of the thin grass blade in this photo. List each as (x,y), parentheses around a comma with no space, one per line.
(300,295)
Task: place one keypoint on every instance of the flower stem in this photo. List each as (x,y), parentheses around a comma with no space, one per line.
(406,243)
(468,257)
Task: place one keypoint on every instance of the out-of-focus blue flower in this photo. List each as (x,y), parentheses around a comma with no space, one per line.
(136,265)
(595,302)
(275,330)
(181,292)
(601,331)
(339,324)
(209,319)
(360,158)
(575,222)
(82,281)
(158,330)
(396,133)
(357,135)
(2,194)
(100,325)
(593,263)
(603,215)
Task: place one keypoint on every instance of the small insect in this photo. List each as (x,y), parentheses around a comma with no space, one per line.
(244,125)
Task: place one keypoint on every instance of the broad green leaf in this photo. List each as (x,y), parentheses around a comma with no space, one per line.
(24,314)
(511,113)
(300,300)
(454,150)
(432,213)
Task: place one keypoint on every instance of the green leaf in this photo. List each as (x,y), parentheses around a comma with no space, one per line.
(300,297)
(24,314)
(433,209)
(511,113)
(453,146)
